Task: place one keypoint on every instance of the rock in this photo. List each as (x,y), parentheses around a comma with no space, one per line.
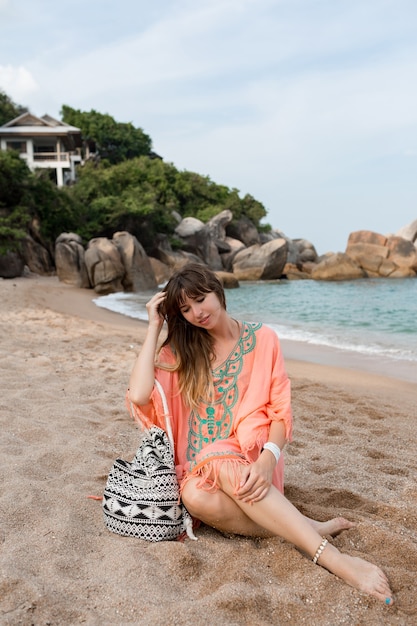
(386,268)
(408,232)
(403,272)
(216,226)
(139,274)
(161,270)
(188,227)
(292,272)
(261,262)
(104,266)
(12,265)
(402,252)
(175,260)
(37,257)
(379,255)
(235,245)
(244,230)
(366,236)
(69,260)
(338,266)
(369,256)
(198,240)
(228,280)
(306,251)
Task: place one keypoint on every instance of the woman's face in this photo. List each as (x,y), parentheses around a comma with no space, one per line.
(203,311)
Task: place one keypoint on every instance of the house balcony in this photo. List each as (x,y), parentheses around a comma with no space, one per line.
(51,156)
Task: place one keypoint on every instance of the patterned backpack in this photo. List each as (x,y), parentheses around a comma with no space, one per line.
(141,498)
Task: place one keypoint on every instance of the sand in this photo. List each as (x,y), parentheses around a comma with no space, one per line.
(65,364)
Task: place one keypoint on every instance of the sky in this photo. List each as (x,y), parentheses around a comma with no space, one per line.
(310,106)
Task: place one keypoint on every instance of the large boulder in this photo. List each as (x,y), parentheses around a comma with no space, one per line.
(366,236)
(161,270)
(37,257)
(69,260)
(198,239)
(379,255)
(307,253)
(244,230)
(235,246)
(139,274)
(104,266)
(176,259)
(228,280)
(338,266)
(12,265)
(402,252)
(258,262)
(216,226)
(188,227)
(408,232)
(369,256)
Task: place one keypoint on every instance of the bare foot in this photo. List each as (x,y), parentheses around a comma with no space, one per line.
(332,527)
(358,573)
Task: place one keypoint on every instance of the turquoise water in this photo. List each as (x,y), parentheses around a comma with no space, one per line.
(371,317)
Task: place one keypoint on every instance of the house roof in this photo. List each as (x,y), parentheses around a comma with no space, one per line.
(30,125)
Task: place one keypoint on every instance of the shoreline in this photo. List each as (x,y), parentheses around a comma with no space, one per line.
(64,369)
(71,300)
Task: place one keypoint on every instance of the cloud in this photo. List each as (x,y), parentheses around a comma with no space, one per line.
(17,82)
(302,103)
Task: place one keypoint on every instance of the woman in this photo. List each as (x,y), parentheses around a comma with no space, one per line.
(229,397)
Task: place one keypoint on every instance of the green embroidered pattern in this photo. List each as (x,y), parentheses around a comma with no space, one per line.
(214,421)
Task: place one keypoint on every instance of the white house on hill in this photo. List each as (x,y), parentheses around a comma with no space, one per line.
(44,142)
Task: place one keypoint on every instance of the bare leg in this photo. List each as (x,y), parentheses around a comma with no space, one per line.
(218,510)
(278,516)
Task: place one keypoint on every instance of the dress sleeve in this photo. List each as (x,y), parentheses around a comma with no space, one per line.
(279,405)
(152,413)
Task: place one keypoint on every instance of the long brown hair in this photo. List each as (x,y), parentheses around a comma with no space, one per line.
(191,345)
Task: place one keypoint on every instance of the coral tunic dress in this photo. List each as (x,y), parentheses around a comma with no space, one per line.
(252,389)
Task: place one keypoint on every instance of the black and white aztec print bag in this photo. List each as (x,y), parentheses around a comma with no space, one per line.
(141,497)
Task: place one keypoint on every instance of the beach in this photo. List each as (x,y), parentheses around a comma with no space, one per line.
(65,364)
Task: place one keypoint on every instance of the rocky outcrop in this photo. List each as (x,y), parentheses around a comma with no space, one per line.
(121,264)
(228,280)
(206,241)
(104,266)
(37,257)
(70,261)
(408,232)
(12,265)
(235,246)
(244,230)
(139,274)
(338,266)
(261,262)
(381,256)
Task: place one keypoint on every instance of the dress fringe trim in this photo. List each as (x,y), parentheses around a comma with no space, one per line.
(207,472)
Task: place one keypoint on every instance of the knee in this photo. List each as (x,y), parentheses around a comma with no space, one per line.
(201,504)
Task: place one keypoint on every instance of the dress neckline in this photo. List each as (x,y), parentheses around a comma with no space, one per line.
(241,328)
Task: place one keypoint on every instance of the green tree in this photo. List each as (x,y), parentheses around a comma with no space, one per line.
(8,109)
(114,141)
(32,204)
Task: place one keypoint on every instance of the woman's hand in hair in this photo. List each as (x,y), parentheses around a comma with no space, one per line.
(153,307)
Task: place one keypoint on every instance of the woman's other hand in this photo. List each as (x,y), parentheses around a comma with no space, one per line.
(256,479)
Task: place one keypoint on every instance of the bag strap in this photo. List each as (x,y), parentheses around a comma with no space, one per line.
(167,416)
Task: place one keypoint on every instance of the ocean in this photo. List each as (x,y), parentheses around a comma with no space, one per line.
(368,324)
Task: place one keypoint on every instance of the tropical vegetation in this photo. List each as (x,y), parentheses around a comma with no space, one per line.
(122,185)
